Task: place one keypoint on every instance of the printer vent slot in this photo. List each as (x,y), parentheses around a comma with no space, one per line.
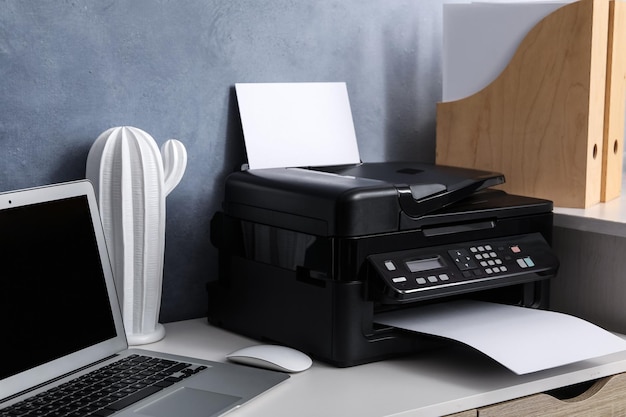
(458,228)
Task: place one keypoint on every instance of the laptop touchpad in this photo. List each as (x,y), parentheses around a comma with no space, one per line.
(189,402)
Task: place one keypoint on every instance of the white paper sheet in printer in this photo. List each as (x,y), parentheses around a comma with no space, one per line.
(311,254)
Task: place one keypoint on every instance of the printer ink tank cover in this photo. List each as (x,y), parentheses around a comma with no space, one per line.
(352,200)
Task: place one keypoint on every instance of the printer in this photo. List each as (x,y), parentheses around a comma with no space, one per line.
(308,257)
(314,244)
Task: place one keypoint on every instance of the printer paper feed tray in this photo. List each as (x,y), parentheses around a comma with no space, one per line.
(426,273)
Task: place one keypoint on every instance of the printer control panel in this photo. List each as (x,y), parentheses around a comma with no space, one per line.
(463,267)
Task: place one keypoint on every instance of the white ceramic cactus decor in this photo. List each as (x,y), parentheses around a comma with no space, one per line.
(131,178)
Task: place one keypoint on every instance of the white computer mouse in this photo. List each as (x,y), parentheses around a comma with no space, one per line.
(274,357)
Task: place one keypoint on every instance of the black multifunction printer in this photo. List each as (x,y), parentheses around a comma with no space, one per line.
(309,256)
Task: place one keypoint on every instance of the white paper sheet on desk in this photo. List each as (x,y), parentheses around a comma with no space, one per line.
(522,339)
(297,124)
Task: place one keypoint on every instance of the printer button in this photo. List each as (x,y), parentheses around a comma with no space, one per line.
(503,268)
(432,278)
(390,266)
(462,259)
(489,271)
(467,274)
(421,280)
(399,279)
(488,247)
(529,261)
(444,277)
(468,265)
(521,263)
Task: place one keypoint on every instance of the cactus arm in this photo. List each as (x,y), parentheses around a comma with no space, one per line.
(174,163)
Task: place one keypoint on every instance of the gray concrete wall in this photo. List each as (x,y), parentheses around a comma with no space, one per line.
(71,69)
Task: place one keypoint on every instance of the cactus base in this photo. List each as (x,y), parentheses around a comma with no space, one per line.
(145,338)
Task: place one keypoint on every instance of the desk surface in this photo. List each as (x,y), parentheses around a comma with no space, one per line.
(429,384)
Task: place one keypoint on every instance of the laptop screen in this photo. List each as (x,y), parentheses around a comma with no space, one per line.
(53,294)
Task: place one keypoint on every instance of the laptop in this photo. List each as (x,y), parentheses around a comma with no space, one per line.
(62,327)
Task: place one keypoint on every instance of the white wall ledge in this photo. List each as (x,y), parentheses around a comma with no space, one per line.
(606,218)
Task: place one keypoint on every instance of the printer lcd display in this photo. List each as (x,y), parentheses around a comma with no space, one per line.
(420,265)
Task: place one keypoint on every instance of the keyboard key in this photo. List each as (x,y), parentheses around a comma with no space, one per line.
(102,413)
(133,398)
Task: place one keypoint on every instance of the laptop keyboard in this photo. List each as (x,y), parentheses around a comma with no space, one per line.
(106,390)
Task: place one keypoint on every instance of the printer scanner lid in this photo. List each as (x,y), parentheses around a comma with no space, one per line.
(423,188)
(350,200)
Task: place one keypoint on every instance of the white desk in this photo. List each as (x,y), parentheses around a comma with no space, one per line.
(430,384)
